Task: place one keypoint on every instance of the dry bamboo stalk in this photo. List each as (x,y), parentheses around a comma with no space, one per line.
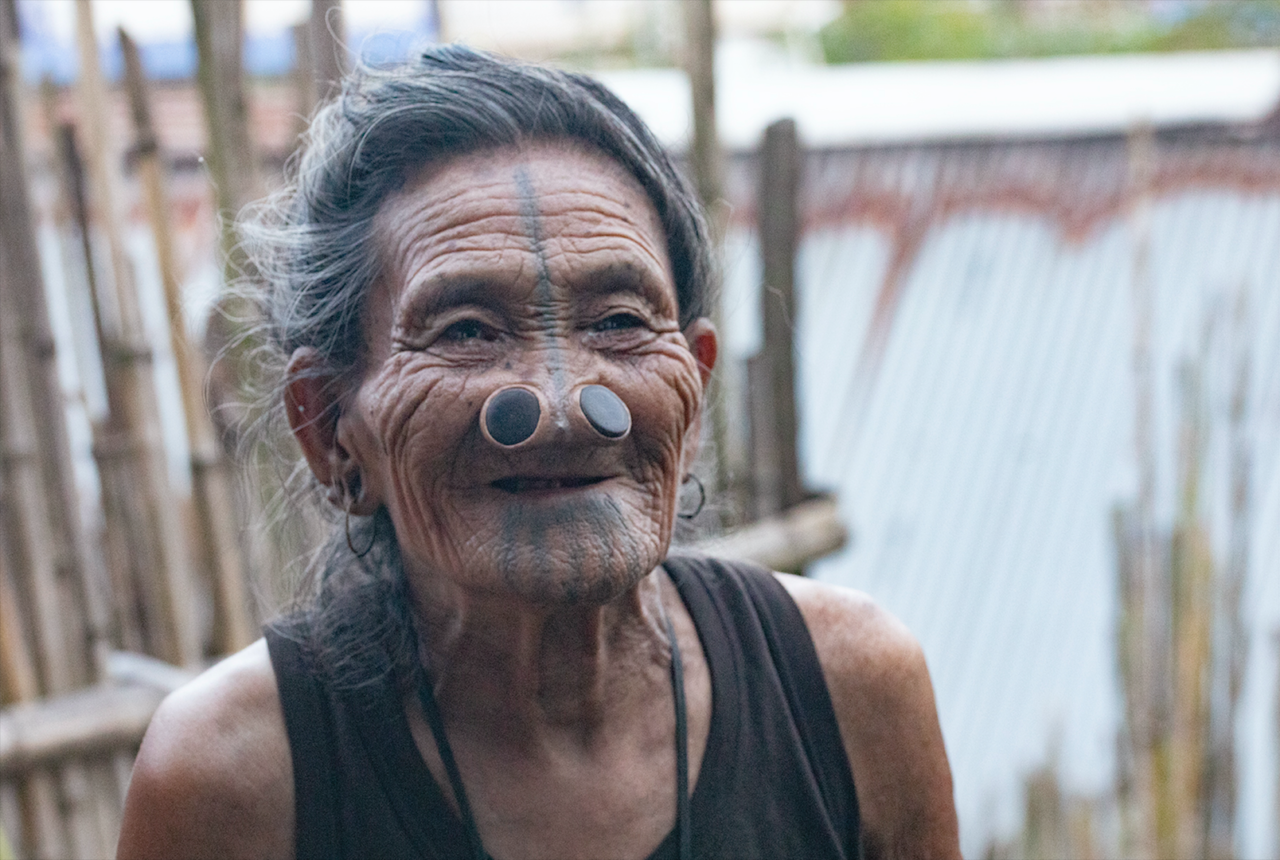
(778,217)
(11,820)
(304,82)
(38,831)
(328,46)
(1230,639)
(122,589)
(17,667)
(787,541)
(155,520)
(90,573)
(51,443)
(32,540)
(1191,569)
(707,163)
(1149,681)
(219,33)
(45,837)
(210,485)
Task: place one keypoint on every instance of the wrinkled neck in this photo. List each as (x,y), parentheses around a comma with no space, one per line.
(501,664)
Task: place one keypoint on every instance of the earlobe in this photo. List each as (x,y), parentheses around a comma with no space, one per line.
(312,404)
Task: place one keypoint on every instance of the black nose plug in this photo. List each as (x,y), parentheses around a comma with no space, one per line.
(511,416)
(605,411)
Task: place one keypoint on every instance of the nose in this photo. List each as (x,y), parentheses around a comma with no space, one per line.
(515,415)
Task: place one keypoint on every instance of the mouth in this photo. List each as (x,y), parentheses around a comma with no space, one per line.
(526,484)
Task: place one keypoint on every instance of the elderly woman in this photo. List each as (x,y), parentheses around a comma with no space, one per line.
(489,284)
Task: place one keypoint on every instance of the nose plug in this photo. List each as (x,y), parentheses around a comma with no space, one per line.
(513,415)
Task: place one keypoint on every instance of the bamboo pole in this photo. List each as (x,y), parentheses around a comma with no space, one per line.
(778,214)
(27,535)
(125,589)
(39,830)
(787,541)
(138,475)
(1149,683)
(219,33)
(97,591)
(707,164)
(1230,635)
(17,666)
(304,81)
(1191,574)
(328,46)
(211,488)
(43,531)
(79,571)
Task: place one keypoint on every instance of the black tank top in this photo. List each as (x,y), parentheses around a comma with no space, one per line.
(774,781)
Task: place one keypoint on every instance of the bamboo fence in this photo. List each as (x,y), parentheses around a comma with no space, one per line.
(97,609)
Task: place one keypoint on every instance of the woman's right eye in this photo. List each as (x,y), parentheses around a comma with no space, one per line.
(469,329)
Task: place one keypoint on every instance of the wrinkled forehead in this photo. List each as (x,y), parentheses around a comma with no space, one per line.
(558,196)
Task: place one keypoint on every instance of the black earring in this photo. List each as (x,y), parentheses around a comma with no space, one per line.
(702,497)
(347,501)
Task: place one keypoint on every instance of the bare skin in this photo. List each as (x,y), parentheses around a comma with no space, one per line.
(536,571)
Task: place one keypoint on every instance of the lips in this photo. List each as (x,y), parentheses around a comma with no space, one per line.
(529,484)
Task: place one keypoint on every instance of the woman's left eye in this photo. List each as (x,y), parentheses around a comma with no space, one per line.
(617,322)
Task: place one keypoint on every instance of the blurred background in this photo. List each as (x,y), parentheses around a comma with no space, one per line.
(1001,317)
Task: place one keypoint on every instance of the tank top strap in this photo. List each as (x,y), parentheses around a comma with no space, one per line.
(751,629)
(309,722)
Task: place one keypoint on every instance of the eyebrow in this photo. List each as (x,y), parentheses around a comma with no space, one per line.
(622,278)
(452,291)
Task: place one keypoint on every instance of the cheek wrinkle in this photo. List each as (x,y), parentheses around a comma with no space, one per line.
(545,304)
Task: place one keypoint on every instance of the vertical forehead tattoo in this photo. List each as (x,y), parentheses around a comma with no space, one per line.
(545,303)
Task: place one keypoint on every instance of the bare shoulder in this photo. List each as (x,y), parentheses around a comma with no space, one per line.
(214,777)
(880,687)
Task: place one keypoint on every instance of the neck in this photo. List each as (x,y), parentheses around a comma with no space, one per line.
(517,670)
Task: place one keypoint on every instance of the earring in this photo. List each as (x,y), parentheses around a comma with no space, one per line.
(702,496)
(347,501)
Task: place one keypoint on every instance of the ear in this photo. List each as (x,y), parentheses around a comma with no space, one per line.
(705,346)
(313,403)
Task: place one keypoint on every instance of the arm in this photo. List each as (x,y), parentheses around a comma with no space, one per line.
(214,776)
(883,698)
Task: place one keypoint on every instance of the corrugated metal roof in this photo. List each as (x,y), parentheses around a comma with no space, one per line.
(974,411)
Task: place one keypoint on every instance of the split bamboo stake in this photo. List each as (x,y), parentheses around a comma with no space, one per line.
(138,474)
(209,481)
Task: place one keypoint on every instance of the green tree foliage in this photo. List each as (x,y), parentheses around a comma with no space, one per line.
(878,30)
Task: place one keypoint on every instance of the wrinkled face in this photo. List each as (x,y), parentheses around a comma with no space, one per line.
(543,267)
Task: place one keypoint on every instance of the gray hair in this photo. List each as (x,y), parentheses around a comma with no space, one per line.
(312,253)
(311,244)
